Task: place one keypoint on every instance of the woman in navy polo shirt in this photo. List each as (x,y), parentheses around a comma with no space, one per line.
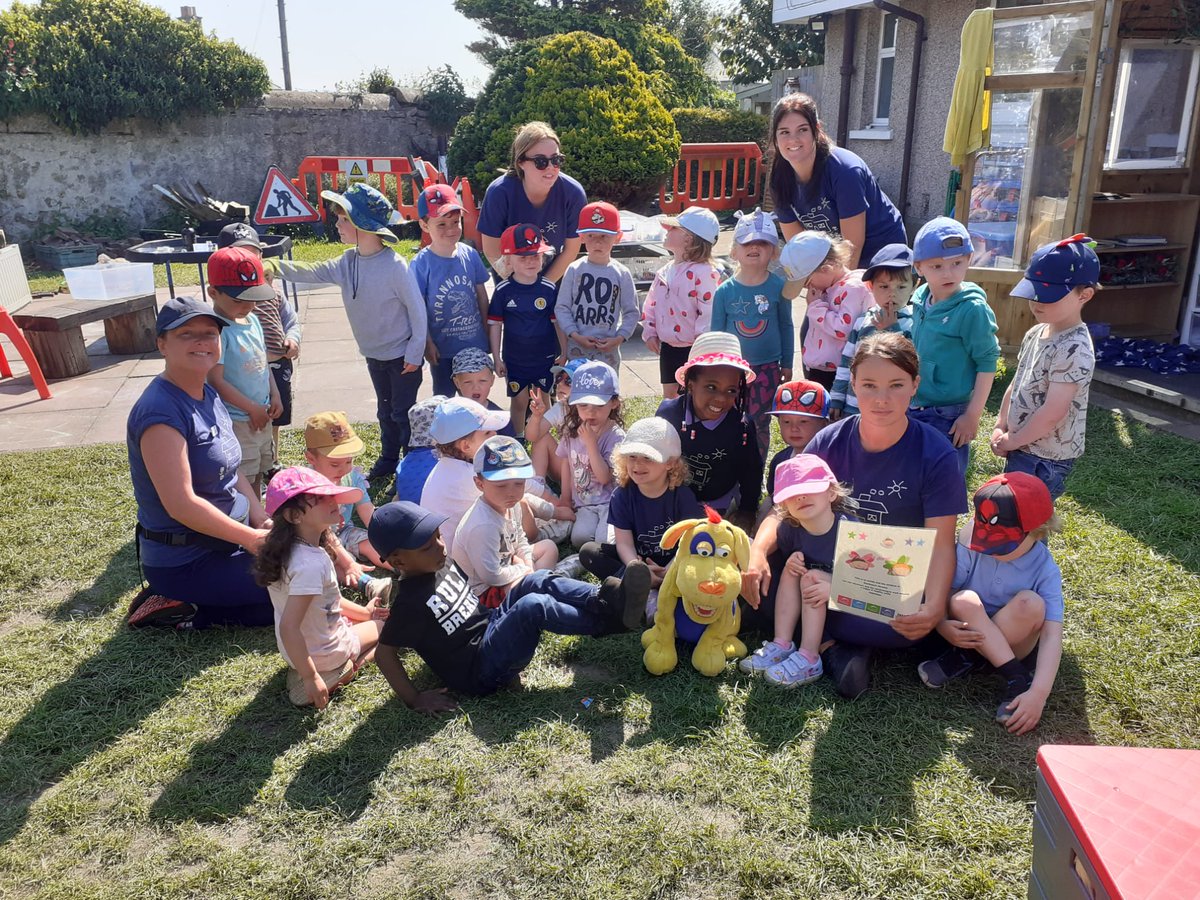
(899,472)
(824,187)
(534,189)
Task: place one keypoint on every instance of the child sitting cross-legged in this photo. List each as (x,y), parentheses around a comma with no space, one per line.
(323,638)
(435,604)
(593,427)
(808,502)
(330,448)
(1007,601)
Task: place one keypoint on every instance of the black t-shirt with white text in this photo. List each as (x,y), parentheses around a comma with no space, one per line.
(437,616)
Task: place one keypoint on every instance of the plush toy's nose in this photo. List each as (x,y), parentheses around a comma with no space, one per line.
(711,587)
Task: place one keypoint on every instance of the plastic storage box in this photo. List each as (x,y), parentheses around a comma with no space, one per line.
(110,282)
(1116,823)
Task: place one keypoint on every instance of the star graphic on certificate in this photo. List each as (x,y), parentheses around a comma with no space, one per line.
(896,487)
(862,535)
(921,543)
(850,535)
(908,542)
(740,307)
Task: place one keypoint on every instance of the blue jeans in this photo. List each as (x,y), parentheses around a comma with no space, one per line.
(1053,472)
(539,602)
(395,393)
(442,382)
(221,585)
(942,418)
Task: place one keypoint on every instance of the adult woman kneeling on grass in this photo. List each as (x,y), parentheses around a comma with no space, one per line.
(198,519)
(900,472)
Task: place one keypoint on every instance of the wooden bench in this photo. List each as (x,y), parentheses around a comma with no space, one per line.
(54,329)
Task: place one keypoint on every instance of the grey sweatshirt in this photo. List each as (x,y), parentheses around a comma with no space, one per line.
(384,306)
(597,301)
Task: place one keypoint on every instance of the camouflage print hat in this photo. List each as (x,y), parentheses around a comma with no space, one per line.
(419,418)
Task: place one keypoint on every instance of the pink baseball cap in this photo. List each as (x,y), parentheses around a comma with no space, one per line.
(297,480)
(803,474)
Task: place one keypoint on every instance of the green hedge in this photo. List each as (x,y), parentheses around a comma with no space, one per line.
(719,126)
(93,61)
(618,138)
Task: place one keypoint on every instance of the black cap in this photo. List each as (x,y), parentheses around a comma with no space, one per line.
(183,309)
(402,526)
(239,234)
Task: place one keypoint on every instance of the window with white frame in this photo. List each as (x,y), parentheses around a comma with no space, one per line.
(885,71)
(1152,106)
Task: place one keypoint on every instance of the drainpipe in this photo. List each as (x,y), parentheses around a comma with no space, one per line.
(849,37)
(910,129)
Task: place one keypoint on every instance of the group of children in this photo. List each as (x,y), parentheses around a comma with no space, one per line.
(484,496)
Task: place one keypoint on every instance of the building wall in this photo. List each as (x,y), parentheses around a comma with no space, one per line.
(50,177)
(930,167)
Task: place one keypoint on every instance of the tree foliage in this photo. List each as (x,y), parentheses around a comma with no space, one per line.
(442,92)
(720,126)
(94,61)
(642,27)
(694,23)
(752,46)
(618,138)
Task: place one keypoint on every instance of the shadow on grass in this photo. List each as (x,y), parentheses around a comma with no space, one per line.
(120,573)
(1143,482)
(867,761)
(107,696)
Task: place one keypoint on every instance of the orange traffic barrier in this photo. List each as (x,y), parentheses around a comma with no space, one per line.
(399,177)
(715,176)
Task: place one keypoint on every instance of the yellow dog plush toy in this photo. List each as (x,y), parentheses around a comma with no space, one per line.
(706,576)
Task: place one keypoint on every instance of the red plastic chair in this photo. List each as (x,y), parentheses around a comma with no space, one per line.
(9,329)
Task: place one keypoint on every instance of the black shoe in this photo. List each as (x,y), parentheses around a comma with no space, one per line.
(954,663)
(624,599)
(850,668)
(1013,688)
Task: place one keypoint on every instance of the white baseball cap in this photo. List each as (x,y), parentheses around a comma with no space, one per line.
(460,416)
(653,438)
(699,221)
(803,254)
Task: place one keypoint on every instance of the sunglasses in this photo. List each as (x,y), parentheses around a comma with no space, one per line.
(541,163)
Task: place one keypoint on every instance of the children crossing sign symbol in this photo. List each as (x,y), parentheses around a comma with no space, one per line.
(281,202)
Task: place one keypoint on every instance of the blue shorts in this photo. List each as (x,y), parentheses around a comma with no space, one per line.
(519,379)
(1052,472)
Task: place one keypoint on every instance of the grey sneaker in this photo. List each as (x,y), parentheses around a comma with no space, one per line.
(769,654)
(571,567)
(794,671)
(954,663)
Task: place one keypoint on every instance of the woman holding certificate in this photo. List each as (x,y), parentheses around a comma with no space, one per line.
(900,472)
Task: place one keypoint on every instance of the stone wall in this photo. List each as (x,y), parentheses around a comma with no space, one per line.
(50,177)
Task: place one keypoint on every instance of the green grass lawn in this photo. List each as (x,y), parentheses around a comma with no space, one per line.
(150,764)
(187,275)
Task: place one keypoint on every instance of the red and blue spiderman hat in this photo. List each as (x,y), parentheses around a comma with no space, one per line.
(523,240)
(1057,269)
(1007,508)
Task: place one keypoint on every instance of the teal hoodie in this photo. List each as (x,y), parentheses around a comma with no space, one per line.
(955,340)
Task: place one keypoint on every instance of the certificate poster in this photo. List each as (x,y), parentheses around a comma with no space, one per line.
(879,571)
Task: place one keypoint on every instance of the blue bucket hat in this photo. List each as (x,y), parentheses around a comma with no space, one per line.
(367,209)
(1057,269)
(942,238)
(502,459)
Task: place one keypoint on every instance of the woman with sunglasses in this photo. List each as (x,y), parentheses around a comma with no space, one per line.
(534,189)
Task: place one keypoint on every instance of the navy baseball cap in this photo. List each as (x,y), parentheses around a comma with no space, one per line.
(894,256)
(402,525)
(1057,269)
(179,310)
(502,458)
(942,238)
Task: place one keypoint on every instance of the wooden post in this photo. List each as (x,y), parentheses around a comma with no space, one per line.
(131,334)
(61,354)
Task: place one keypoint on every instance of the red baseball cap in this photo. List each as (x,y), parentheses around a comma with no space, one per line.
(522,240)
(436,201)
(599,218)
(1007,508)
(239,273)
(801,398)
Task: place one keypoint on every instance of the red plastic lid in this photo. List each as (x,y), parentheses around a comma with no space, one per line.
(1136,812)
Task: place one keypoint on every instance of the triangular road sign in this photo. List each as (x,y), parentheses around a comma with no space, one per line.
(281,203)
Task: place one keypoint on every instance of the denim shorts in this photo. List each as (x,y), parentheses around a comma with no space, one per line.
(1052,472)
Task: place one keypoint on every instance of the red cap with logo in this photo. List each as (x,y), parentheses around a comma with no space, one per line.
(522,240)
(1007,508)
(599,218)
(238,272)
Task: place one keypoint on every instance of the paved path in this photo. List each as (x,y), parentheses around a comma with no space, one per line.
(92,408)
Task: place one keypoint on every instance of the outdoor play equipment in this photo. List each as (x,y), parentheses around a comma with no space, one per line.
(15,295)
(401,177)
(719,177)
(1115,823)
